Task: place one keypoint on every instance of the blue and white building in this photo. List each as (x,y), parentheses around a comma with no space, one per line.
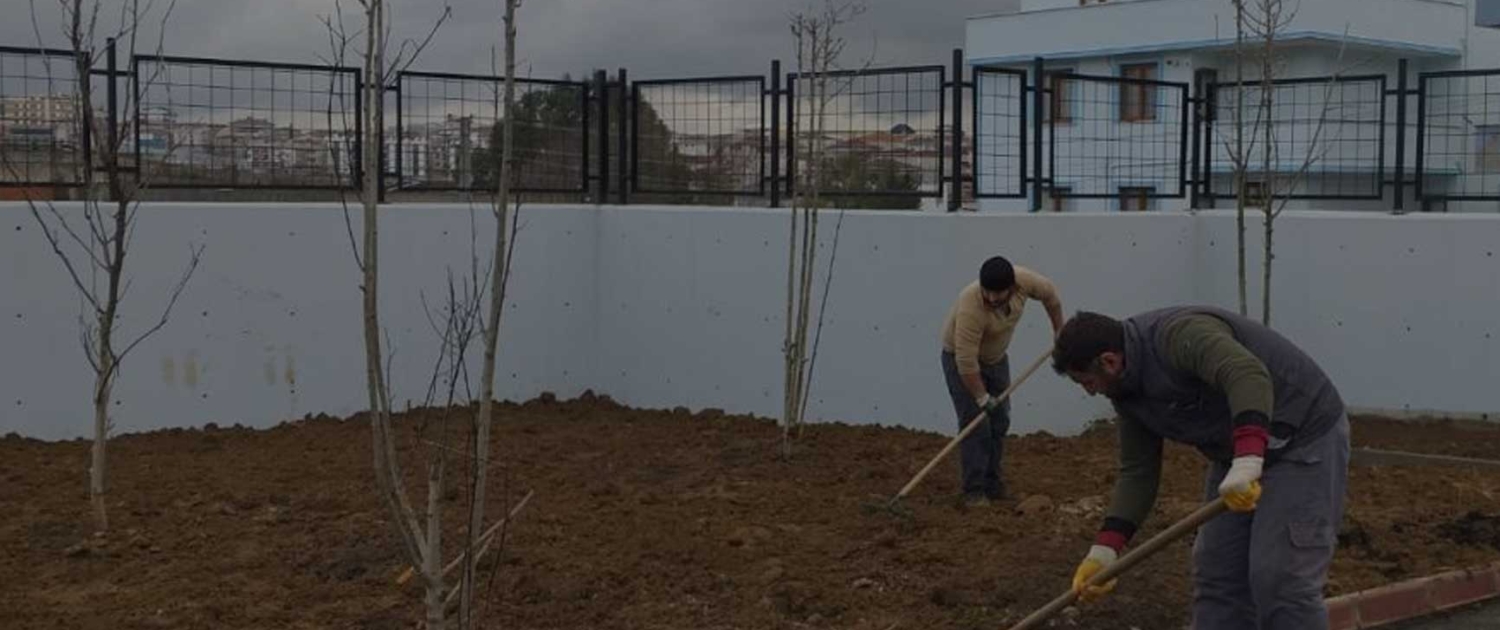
(1124,145)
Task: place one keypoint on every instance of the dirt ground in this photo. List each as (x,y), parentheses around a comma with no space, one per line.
(652,519)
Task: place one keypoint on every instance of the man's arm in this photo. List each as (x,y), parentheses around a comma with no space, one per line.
(968,332)
(1137,485)
(1038,287)
(1205,346)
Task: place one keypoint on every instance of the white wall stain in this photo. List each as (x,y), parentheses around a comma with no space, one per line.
(190,371)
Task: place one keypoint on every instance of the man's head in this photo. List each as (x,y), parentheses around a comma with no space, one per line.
(997,281)
(1090,349)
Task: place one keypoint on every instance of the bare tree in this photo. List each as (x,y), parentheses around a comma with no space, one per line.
(459,323)
(1260,23)
(819,48)
(95,250)
(422,545)
(498,276)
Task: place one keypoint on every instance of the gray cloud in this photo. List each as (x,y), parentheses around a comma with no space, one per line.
(651,38)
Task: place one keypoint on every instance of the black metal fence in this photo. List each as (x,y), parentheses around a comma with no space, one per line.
(1315,138)
(1115,137)
(42,140)
(235,124)
(882,137)
(1458,145)
(699,136)
(449,133)
(873,133)
(999,133)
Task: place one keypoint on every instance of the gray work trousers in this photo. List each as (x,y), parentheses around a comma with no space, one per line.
(1265,570)
(980,454)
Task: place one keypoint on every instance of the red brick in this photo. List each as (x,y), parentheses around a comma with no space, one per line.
(1343,613)
(1463,587)
(1394,603)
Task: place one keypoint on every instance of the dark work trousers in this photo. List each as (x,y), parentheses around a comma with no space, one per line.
(982,451)
(1265,570)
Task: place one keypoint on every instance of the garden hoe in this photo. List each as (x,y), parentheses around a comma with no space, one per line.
(1126,562)
(892,506)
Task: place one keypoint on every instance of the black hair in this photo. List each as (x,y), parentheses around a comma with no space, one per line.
(997,274)
(1083,338)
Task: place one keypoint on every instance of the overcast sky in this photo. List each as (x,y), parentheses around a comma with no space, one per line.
(651,38)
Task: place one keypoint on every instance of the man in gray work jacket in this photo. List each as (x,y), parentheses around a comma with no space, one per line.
(1276,435)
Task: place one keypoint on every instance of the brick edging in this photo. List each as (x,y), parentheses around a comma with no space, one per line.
(1413,598)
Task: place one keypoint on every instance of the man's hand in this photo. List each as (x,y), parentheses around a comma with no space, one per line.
(1241,485)
(988,404)
(1099,558)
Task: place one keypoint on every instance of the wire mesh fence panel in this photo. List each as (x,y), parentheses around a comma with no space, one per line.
(236,124)
(882,133)
(1116,137)
(1323,138)
(1459,155)
(452,134)
(42,134)
(699,135)
(999,133)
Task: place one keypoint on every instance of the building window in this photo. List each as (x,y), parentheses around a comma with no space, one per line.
(1060,105)
(1136,198)
(1138,100)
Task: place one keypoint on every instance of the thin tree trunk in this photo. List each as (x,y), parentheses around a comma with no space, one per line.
(102,393)
(1268,152)
(1242,159)
(432,568)
(480,464)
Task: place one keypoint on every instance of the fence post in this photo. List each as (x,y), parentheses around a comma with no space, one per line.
(622,156)
(1421,144)
(601,87)
(1400,136)
(1200,115)
(1210,115)
(775,133)
(956,194)
(1038,102)
(112,152)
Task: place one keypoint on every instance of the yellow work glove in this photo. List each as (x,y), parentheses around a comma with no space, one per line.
(1241,485)
(1099,558)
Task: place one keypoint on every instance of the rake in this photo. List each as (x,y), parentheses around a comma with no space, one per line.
(1125,563)
(892,504)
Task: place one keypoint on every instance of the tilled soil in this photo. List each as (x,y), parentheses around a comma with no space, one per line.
(649,519)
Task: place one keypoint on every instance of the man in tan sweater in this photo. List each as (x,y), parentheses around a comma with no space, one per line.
(976,364)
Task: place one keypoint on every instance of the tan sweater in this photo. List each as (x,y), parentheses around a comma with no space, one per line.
(977,334)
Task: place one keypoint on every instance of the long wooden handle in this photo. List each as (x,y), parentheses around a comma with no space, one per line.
(1136,556)
(973,424)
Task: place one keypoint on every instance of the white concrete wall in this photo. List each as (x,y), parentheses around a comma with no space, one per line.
(1400,310)
(693,304)
(269,327)
(661,307)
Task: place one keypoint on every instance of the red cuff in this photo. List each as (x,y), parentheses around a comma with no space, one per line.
(1250,439)
(1113,540)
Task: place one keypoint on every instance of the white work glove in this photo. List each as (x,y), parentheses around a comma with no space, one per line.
(1241,485)
(988,404)
(1099,559)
